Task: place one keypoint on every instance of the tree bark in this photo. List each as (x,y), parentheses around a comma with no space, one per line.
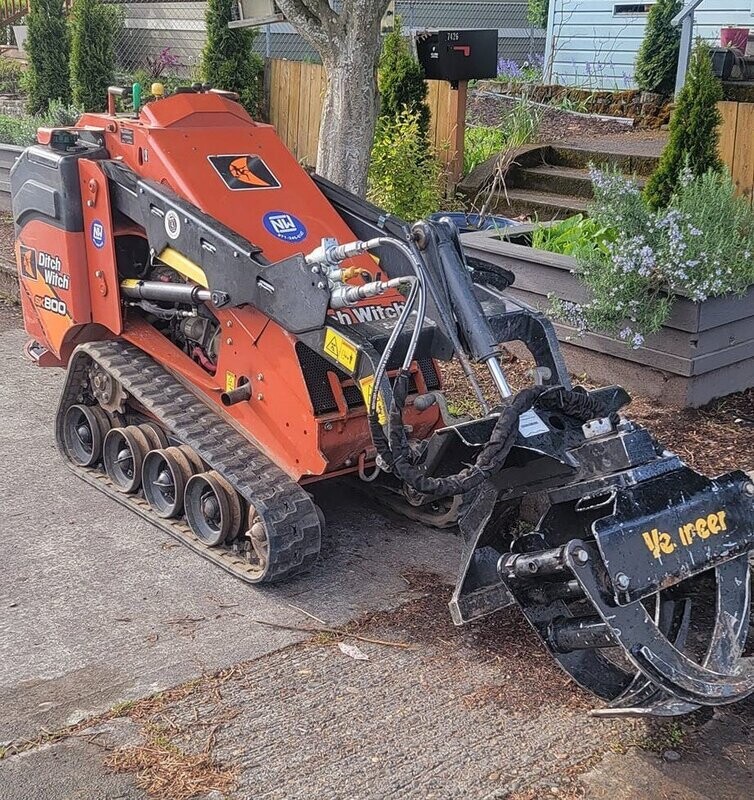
(348,43)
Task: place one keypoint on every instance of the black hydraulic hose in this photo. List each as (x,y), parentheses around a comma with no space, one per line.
(398,457)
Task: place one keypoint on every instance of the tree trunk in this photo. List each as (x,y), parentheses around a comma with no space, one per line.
(348,118)
(348,41)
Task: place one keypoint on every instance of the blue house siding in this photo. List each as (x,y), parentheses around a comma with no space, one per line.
(590,45)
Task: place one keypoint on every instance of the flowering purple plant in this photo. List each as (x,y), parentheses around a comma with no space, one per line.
(164,61)
(529,71)
(509,69)
(699,247)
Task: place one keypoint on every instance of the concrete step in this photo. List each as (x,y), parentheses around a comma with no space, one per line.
(582,157)
(543,206)
(550,178)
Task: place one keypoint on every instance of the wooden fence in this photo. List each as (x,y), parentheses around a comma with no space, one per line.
(295,91)
(737,144)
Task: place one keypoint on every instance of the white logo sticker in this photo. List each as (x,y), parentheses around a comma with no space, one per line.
(172,224)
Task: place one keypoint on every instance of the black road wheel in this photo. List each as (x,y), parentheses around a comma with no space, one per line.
(212,508)
(84,430)
(156,436)
(164,475)
(123,455)
(193,457)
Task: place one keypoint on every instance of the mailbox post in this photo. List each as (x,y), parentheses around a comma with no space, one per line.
(457,56)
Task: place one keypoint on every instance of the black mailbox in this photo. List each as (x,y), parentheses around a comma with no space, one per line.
(458,55)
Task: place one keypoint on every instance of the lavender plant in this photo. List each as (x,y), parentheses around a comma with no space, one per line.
(529,71)
(700,246)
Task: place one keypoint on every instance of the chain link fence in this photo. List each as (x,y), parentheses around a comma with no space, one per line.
(165,39)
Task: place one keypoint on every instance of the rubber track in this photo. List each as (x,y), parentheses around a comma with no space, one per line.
(290,516)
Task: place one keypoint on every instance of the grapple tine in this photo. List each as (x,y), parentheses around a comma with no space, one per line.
(655,656)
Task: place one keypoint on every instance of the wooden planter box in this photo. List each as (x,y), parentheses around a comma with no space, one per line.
(704,351)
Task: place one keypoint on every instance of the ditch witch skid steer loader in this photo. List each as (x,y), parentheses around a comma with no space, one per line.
(236,330)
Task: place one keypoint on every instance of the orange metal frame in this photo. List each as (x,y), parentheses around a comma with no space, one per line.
(171,142)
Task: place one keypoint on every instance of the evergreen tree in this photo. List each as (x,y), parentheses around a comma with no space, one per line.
(401,81)
(657,61)
(47,47)
(228,61)
(694,130)
(92,53)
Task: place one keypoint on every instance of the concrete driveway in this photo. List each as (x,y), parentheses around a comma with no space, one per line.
(98,608)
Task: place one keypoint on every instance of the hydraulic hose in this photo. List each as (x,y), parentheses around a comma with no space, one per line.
(418,293)
(491,458)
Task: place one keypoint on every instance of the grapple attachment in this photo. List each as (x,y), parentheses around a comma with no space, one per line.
(635,573)
(637,581)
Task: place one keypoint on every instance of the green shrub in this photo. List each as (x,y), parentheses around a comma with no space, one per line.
(11,73)
(401,80)
(519,127)
(657,60)
(694,130)
(228,61)
(22,131)
(481,142)
(403,178)
(93,27)
(537,12)
(701,246)
(47,47)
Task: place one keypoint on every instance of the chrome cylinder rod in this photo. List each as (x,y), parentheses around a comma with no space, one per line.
(493,365)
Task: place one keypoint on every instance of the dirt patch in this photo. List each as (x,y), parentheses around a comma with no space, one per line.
(167,772)
(503,641)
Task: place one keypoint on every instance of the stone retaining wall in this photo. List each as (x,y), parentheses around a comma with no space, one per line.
(647,110)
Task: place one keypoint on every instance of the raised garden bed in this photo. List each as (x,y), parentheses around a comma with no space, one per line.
(704,351)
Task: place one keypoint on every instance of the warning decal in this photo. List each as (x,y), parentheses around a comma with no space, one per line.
(531,424)
(367,386)
(230,381)
(341,350)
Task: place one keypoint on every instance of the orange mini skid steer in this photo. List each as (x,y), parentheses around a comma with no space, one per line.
(235,329)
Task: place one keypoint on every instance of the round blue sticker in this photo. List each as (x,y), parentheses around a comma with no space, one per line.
(98,234)
(285,226)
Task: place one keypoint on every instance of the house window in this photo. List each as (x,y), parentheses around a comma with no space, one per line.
(632,9)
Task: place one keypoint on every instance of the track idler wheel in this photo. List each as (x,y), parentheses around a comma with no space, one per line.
(164,476)
(123,455)
(212,508)
(84,431)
